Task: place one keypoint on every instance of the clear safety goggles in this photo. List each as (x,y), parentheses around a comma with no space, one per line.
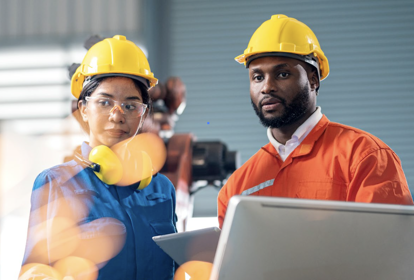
(107,106)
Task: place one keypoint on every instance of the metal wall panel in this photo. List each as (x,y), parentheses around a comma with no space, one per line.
(38,40)
(368,44)
(63,18)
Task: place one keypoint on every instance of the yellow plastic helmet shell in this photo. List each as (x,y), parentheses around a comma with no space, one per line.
(286,35)
(111,170)
(115,55)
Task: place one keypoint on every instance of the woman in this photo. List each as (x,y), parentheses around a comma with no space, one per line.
(112,225)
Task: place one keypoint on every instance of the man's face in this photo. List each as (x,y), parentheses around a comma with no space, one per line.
(282,91)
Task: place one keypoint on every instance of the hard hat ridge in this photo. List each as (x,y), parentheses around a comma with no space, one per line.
(115,56)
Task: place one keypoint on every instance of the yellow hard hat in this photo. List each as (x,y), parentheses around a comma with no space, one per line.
(115,56)
(285,36)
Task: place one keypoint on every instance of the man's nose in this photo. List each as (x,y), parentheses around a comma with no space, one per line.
(269,85)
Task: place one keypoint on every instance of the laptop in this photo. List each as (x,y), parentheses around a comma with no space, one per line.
(195,245)
(280,238)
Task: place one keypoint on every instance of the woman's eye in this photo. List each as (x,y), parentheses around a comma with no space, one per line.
(130,107)
(103,102)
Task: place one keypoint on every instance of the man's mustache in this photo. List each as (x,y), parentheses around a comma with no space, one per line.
(268,99)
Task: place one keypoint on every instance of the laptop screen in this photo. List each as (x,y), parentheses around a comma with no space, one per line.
(281,238)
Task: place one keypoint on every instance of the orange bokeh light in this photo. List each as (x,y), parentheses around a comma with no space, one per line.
(141,156)
(100,240)
(194,270)
(38,271)
(58,238)
(66,207)
(154,146)
(77,268)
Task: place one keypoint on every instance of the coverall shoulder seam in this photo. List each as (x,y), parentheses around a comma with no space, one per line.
(367,154)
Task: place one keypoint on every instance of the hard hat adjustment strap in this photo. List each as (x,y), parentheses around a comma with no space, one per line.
(310,59)
(144,81)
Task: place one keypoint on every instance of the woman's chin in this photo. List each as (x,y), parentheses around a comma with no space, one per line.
(115,140)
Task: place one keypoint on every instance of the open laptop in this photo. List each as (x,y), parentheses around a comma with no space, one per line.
(196,245)
(280,238)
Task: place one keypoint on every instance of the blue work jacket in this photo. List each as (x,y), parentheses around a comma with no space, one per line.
(142,214)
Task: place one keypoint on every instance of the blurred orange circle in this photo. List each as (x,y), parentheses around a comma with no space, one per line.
(154,146)
(58,238)
(140,156)
(38,271)
(194,270)
(76,267)
(101,240)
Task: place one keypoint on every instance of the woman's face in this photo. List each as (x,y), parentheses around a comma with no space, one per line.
(111,127)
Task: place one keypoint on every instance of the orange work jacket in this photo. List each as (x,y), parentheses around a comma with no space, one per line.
(334,162)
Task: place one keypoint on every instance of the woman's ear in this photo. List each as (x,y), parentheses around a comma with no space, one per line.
(145,115)
(82,110)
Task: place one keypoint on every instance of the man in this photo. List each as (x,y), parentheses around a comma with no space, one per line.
(308,156)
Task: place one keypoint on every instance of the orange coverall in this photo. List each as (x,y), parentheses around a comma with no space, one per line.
(334,162)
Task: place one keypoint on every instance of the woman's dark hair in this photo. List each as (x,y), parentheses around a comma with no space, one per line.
(94,83)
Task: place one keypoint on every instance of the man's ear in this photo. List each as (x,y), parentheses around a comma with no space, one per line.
(314,80)
(82,110)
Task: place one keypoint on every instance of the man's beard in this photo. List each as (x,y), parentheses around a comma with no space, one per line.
(296,109)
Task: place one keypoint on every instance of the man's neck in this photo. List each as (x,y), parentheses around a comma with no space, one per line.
(284,133)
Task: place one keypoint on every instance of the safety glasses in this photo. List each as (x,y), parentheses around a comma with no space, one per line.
(106,106)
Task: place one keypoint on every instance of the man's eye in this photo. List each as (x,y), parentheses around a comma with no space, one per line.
(284,75)
(257,77)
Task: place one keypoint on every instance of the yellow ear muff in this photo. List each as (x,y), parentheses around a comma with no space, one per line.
(77,82)
(146,171)
(136,166)
(111,170)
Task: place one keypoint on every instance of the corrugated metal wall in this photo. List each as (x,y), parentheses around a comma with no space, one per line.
(40,39)
(26,19)
(369,45)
